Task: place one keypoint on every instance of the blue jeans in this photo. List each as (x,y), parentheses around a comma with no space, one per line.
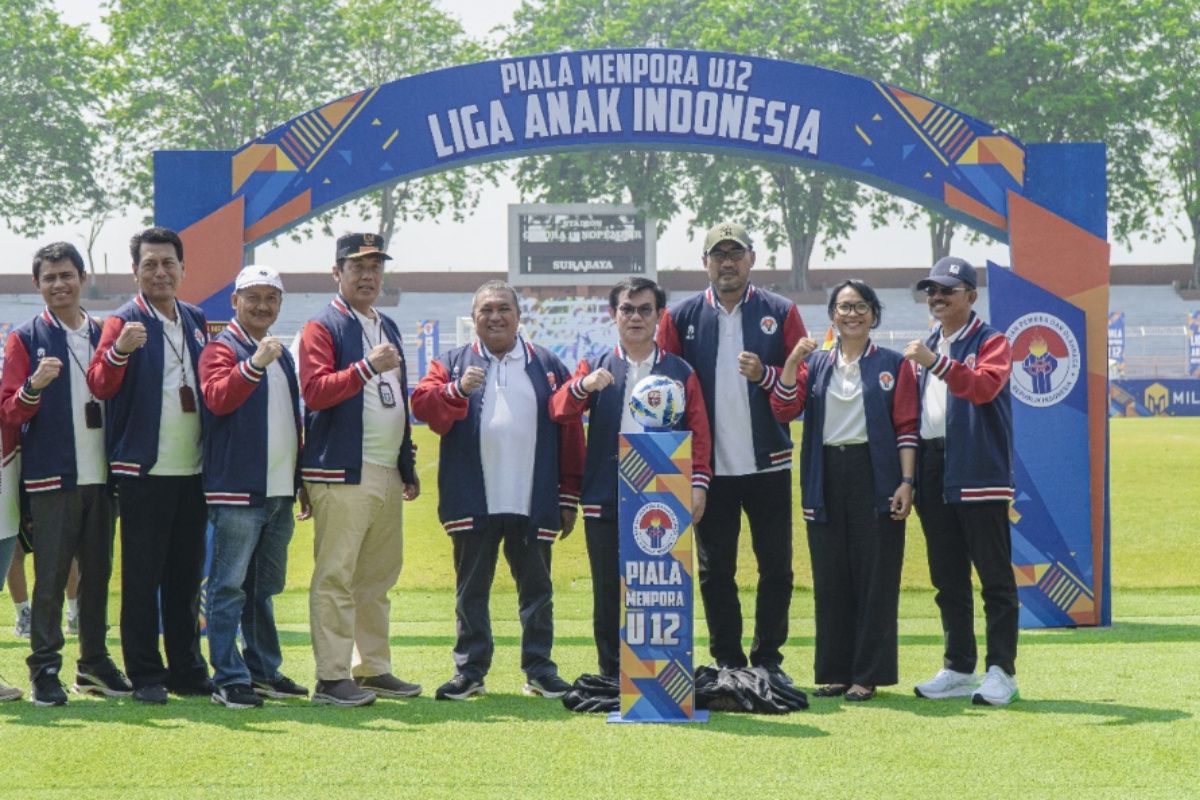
(249,567)
(7,548)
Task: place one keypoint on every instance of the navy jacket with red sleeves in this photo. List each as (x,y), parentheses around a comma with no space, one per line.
(889,394)
(978,412)
(605,409)
(132,382)
(236,403)
(333,372)
(771,326)
(45,418)
(558,452)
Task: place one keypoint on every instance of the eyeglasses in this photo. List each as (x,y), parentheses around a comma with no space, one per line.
(645,311)
(859,308)
(944,291)
(734,254)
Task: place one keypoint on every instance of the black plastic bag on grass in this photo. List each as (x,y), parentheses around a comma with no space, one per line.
(593,694)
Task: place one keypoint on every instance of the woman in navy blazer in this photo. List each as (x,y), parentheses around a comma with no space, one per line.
(857,466)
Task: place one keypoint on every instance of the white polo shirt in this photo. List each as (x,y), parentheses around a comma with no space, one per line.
(508,431)
(933,399)
(281,434)
(634,372)
(91,463)
(845,417)
(383,427)
(178,430)
(733,432)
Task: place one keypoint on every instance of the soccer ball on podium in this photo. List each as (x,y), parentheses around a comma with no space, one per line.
(657,402)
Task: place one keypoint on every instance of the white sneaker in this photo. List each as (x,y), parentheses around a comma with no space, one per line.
(947,683)
(998,689)
(24,620)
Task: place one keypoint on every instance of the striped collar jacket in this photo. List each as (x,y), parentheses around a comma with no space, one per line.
(978,412)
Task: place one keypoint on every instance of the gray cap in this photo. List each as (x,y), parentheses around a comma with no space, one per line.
(949,271)
(727,231)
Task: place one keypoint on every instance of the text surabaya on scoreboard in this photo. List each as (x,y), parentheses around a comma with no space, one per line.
(683,100)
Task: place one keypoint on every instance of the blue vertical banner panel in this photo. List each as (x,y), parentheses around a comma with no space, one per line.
(1051,511)
(657,622)
(1116,344)
(428,344)
(1193,332)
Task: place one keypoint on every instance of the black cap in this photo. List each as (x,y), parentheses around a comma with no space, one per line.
(949,271)
(357,245)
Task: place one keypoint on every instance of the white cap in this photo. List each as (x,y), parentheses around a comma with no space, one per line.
(258,275)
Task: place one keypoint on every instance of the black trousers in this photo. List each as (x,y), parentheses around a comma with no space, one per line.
(604,555)
(70,523)
(475,556)
(958,535)
(163,520)
(857,556)
(766,497)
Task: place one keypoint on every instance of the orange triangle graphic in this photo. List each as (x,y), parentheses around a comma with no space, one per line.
(919,107)
(336,111)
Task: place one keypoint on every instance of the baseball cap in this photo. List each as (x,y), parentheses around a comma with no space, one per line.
(727,231)
(258,275)
(357,245)
(949,271)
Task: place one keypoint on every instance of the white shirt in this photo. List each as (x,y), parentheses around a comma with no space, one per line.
(281,434)
(10,490)
(91,462)
(733,433)
(178,430)
(845,417)
(383,427)
(634,372)
(933,399)
(508,432)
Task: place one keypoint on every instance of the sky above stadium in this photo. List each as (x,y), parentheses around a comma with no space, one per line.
(480,243)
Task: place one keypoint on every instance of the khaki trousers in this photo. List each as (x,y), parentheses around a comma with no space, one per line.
(358,551)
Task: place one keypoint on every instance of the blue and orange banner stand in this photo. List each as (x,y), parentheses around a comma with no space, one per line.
(657,632)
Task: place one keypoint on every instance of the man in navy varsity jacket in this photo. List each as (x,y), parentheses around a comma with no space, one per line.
(358,469)
(65,473)
(601,387)
(737,336)
(146,367)
(965,484)
(251,454)
(508,474)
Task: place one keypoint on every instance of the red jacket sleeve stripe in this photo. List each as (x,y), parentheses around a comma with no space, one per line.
(225,381)
(320,384)
(436,400)
(107,370)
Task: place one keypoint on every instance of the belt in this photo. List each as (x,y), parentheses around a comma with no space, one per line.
(841,448)
(935,444)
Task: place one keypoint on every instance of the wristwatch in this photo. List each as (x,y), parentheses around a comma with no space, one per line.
(907,479)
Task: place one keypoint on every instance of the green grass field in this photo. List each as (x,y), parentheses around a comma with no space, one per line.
(1105,712)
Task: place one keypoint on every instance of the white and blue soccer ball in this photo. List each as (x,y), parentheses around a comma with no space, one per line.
(657,402)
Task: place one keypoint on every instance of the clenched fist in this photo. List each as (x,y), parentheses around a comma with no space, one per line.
(47,370)
(472,379)
(801,351)
(750,365)
(384,357)
(132,336)
(595,381)
(918,351)
(268,350)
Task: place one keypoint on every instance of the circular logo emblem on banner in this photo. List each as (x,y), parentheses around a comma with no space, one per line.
(656,529)
(768,325)
(1046,359)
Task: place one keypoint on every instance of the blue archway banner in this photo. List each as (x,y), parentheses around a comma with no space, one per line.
(661,99)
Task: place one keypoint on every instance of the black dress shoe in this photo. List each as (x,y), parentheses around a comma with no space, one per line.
(832,690)
(860,695)
(154,694)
